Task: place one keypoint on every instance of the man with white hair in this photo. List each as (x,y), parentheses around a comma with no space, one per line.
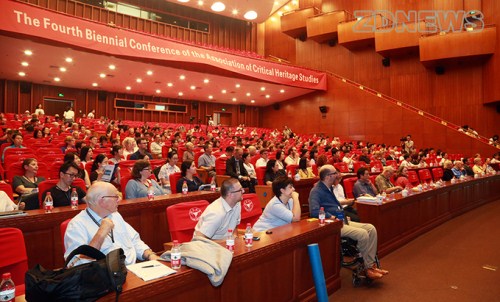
(102,227)
(383,181)
(321,196)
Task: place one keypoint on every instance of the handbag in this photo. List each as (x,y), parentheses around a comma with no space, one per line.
(86,282)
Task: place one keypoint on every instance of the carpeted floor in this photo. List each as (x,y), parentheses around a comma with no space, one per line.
(445,264)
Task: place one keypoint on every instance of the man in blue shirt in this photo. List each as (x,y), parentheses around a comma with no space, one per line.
(322,195)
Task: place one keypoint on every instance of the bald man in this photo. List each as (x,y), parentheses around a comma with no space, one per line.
(102,227)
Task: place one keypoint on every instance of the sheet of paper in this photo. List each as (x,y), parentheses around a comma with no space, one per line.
(150,270)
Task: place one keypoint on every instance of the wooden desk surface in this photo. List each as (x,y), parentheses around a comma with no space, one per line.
(276,268)
(403,219)
(42,233)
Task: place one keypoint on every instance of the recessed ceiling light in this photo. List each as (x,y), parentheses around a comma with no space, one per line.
(249,94)
(139,80)
(158,91)
(170,84)
(206,81)
(295,2)
(181,94)
(267,96)
(262,88)
(282,90)
(223,91)
(192,87)
(149,72)
(62,69)
(252,101)
(128,87)
(234,99)
(183,1)
(25,63)
(200,3)
(21,74)
(250,15)
(210,97)
(94,84)
(102,75)
(57,79)
(234,12)
(218,7)
(69,60)
(182,77)
(286,7)
(112,67)
(238,85)
(28,52)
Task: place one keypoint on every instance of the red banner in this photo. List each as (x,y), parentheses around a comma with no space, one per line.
(29,20)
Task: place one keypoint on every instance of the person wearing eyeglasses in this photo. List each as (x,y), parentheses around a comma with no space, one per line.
(322,195)
(140,183)
(222,214)
(142,152)
(282,209)
(101,226)
(61,192)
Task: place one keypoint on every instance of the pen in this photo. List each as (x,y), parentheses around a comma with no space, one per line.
(148,266)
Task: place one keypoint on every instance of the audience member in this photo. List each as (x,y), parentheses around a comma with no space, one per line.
(272,172)
(235,169)
(249,167)
(223,214)
(402,177)
(264,158)
(293,157)
(305,170)
(188,154)
(102,227)
(346,203)
(17,142)
(167,169)
(447,172)
(207,160)
(363,186)
(140,183)
(188,171)
(383,181)
(61,192)
(142,152)
(27,185)
(283,208)
(129,147)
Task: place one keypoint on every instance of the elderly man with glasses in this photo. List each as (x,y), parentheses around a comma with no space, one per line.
(102,227)
(222,214)
(61,193)
(322,195)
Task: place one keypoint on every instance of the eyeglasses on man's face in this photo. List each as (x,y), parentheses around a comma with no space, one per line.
(115,197)
(147,169)
(71,175)
(241,190)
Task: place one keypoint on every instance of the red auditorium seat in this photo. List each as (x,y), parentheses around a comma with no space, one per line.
(437,173)
(341,167)
(14,258)
(261,173)
(183,217)
(424,175)
(63,227)
(7,188)
(358,165)
(173,178)
(250,210)
(348,184)
(292,169)
(413,178)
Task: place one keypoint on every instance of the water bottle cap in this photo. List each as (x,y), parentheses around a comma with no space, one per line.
(229,230)
(74,189)
(6,276)
(48,194)
(321,209)
(176,241)
(248,224)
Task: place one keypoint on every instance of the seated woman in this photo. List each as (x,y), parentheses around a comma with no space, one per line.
(346,203)
(478,168)
(402,177)
(305,170)
(86,155)
(188,171)
(249,167)
(447,173)
(117,152)
(27,185)
(283,208)
(98,168)
(140,183)
(272,172)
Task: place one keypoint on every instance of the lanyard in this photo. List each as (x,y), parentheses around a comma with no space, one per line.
(93,219)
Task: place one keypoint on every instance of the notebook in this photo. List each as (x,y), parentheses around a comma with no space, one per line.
(150,270)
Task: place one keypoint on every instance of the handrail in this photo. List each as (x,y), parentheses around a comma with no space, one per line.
(411,108)
(304,8)
(455,32)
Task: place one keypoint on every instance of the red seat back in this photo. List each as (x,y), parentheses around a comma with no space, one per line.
(174,178)
(413,178)
(292,169)
(424,175)
(183,217)
(220,165)
(392,163)
(261,173)
(358,165)
(348,184)
(250,210)
(123,183)
(7,188)
(341,167)
(14,169)
(437,173)
(14,258)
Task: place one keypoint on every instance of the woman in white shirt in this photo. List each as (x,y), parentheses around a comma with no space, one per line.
(69,115)
(39,110)
(249,166)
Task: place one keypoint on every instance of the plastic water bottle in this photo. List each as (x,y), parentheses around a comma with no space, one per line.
(7,289)
(74,199)
(213,185)
(297,177)
(151,193)
(175,255)
(230,240)
(249,236)
(321,216)
(184,188)
(48,203)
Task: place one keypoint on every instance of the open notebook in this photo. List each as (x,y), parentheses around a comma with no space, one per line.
(150,270)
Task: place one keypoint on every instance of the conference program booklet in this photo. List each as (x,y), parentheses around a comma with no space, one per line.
(150,270)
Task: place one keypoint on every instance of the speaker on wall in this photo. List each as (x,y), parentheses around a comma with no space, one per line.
(498,108)
(439,70)
(25,87)
(194,105)
(323,109)
(243,107)
(386,62)
(276,106)
(102,95)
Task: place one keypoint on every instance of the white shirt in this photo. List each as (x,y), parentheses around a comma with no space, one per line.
(291,161)
(165,172)
(250,169)
(81,229)
(217,218)
(69,115)
(261,162)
